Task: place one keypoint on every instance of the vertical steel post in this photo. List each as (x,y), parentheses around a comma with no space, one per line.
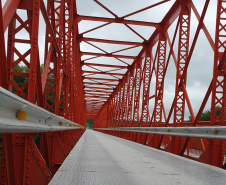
(138,78)
(218,104)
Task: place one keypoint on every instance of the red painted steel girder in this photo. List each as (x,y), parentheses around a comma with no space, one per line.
(105,65)
(17,164)
(96,97)
(110,41)
(169,18)
(8,11)
(62,88)
(104,88)
(111,114)
(107,55)
(102,73)
(96,82)
(97,94)
(101,79)
(97,91)
(116,20)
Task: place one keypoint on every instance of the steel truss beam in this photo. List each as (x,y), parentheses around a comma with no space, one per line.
(119,103)
(107,55)
(110,41)
(20,156)
(116,20)
(123,106)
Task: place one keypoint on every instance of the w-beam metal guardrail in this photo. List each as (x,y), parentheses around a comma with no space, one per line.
(20,116)
(193,132)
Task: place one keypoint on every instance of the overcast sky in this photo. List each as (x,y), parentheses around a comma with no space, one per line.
(201,65)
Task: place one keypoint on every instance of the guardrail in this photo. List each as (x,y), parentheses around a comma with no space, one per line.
(194,132)
(20,116)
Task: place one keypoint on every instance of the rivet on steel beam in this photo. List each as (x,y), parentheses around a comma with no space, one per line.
(61,123)
(21,115)
(168,130)
(70,125)
(214,132)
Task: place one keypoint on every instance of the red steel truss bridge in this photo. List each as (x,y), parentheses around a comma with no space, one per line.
(145,72)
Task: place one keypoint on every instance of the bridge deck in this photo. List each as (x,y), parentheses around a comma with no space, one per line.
(100,159)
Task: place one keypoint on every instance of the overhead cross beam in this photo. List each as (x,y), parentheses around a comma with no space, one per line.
(102,79)
(102,73)
(107,55)
(104,65)
(80,39)
(117,20)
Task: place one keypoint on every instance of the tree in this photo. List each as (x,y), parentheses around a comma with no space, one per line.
(20,81)
(205,116)
(89,123)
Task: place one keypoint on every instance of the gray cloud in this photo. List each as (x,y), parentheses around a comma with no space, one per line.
(200,68)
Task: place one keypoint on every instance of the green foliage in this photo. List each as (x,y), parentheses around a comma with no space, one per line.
(89,123)
(205,116)
(37,140)
(20,80)
(50,94)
